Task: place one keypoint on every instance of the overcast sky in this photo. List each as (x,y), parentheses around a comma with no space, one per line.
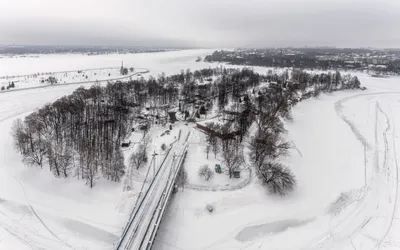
(201,23)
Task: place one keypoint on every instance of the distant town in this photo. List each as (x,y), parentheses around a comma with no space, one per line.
(385,61)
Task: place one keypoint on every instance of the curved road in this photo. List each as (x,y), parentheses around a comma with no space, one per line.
(143,71)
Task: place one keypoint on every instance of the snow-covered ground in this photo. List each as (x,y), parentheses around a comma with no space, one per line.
(66,77)
(345,162)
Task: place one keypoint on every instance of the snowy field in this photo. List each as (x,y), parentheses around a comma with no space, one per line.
(345,161)
(27,72)
(169,62)
(65,77)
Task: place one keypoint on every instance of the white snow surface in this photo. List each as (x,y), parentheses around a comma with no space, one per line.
(344,158)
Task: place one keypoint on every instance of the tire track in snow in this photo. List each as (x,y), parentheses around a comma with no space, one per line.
(12,228)
(393,215)
(385,140)
(322,240)
(38,217)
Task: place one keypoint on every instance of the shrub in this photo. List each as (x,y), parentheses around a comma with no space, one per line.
(206,173)
(163,147)
(277,178)
(182,177)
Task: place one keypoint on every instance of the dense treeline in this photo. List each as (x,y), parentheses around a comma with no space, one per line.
(274,60)
(80,134)
(265,102)
(305,60)
(273,104)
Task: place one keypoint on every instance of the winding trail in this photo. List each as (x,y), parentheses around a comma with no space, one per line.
(40,219)
(377,196)
(393,214)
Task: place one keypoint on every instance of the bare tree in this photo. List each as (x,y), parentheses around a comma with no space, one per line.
(208,147)
(19,135)
(233,158)
(138,157)
(90,171)
(35,157)
(212,140)
(266,145)
(206,173)
(277,178)
(182,177)
(118,169)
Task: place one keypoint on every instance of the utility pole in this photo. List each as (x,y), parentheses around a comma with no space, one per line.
(154,164)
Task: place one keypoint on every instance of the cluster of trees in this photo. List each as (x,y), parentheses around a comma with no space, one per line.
(123,71)
(266,107)
(270,59)
(268,144)
(77,135)
(303,58)
(273,104)
(80,134)
(140,156)
(219,139)
(9,86)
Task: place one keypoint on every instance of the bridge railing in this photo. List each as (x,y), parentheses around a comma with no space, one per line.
(164,201)
(139,203)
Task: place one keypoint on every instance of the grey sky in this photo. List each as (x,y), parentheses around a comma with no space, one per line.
(202,23)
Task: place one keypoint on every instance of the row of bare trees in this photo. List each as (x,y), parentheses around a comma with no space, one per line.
(78,135)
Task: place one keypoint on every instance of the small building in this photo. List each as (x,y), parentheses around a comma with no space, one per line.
(218,169)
